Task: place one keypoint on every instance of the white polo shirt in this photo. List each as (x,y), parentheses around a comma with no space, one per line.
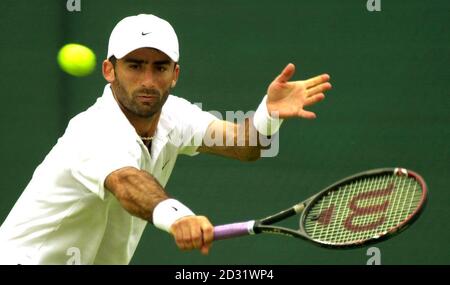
(65,215)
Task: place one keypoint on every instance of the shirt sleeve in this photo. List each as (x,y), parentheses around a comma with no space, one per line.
(92,167)
(193,123)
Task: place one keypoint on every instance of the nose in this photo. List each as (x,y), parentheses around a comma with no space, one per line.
(148,78)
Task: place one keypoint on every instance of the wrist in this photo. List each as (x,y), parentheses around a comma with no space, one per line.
(169,211)
(265,123)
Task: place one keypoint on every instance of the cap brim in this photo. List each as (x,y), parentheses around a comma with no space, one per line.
(127,49)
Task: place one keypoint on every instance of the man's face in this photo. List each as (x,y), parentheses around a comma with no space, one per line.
(143,79)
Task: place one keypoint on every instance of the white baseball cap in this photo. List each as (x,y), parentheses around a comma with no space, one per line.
(142,31)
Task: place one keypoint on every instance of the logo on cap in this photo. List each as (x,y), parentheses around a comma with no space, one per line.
(144,34)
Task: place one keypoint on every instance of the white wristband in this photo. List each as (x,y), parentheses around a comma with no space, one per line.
(167,212)
(266,124)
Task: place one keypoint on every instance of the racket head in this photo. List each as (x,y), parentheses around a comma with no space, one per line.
(367,207)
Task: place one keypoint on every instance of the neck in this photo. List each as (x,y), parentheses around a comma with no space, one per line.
(145,127)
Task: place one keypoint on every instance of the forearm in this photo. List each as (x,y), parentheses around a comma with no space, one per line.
(141,195)
(248,141)
(238,141)
(137,191)
(245,140)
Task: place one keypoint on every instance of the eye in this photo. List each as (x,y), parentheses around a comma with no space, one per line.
(134,66)
(161,68)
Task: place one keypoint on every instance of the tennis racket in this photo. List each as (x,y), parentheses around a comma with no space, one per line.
(364,208)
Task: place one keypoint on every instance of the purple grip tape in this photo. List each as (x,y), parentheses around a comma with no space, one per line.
(233,230)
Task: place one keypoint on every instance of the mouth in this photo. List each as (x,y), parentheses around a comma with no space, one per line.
(148,98)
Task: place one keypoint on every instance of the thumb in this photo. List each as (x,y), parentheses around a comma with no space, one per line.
(286,74)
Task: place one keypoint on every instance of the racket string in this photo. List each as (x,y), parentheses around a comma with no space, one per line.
(405,196)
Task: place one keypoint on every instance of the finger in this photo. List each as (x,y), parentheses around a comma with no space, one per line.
(187,239)
(306,114)
(208,234)
(317,80)
(286,74)
(197,237)
(314,99)
(178,235)
(207,243)
(319,89)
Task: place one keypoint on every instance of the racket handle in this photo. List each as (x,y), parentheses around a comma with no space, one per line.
(233,230)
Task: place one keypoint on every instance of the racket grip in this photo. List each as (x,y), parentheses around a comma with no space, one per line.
(233,230)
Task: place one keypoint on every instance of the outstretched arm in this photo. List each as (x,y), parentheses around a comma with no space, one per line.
(285,99)
(140,194)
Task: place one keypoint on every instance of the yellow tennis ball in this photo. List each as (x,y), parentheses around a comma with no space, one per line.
(76,59)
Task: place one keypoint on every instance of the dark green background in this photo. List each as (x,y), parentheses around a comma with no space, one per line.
(389,107)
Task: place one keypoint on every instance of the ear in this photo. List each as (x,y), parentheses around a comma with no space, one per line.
(176,73)
(108,71)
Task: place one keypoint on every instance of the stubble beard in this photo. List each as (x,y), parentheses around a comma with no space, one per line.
(131,103)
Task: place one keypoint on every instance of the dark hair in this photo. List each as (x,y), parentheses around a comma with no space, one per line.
(113,60)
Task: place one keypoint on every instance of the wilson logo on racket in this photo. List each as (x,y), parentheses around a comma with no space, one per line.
(359,211)
(325,217)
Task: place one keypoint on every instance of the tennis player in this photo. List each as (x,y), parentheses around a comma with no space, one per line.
(90,199)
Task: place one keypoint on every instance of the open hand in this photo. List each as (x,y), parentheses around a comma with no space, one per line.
(289,98)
